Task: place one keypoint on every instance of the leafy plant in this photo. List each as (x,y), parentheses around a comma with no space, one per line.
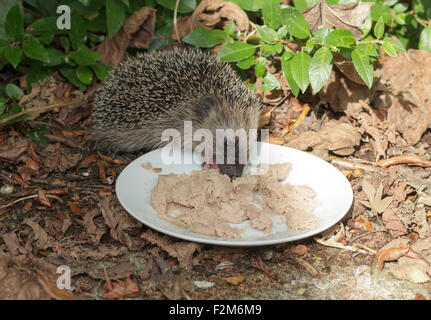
(392,26)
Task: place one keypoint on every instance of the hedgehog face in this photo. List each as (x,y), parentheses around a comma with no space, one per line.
(230,127)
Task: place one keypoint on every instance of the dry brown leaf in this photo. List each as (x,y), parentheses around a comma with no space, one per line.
(75,209)
(137,32)
(211,14)
(408,78)
(341,16)
(376,203)
(235,280)
(50,286)
(121,289)
(181,250)
(42,198)
(88,161)
(393,223)
(336,136)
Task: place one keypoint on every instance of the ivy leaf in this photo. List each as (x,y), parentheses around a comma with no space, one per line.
(270,82)
(204,38)
(271,13)
(260,67)
(13,91)
(14,23)
(379,28)
(340,38)
(85,57)
(115,15)
(320,68)
(425,39)
(363,67)
(236,51)
(35,50)
(300,65)
(100,70)
(246,63)
(295,23)
(84,74)
(267,35)
(13,55)
(286,68)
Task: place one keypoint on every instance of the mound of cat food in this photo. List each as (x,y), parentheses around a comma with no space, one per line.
(207,202)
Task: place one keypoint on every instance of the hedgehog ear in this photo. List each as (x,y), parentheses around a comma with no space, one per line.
(207,105)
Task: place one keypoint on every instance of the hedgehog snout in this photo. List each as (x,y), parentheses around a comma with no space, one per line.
(233,171)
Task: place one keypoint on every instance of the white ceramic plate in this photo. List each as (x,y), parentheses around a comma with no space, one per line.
(333,190)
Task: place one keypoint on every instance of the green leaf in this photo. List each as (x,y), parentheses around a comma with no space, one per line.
(277,47)
(340,38)
(300,65)
(282,32)
(363,67)
(295,23)
(85,57)
(366,27)
(320,68)
(267,35)
(13,55)
(78,31)
(271,13)
(321,34)
(55,57)
(204,38)
(185,6)
(70,74)
(65,43)
(230,28)
(84,74)
(46,25)
(309,46)
(236,51)
(13,91)
(246,63)
(425,39)
(304,4)
(101,70)
(270,82)
(378,10)
(400,7)
(392,46)
(115,15)
(260,68)
(379,28)
(250,5)
(34,50)
(14,23)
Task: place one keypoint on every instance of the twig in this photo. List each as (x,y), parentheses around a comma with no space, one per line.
(38,110)
(177,3)
(366,234)
(63,140)
(29,197)
(339,246)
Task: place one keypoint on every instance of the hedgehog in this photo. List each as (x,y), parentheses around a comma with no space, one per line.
(151,92)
